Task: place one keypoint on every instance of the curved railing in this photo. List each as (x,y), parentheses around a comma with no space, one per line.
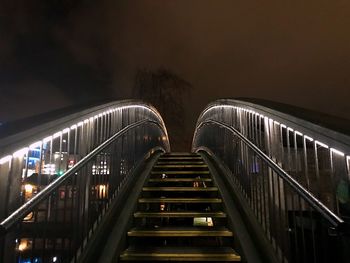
(95,158)
(293,174)
(39,153)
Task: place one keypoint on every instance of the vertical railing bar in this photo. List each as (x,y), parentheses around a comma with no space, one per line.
(334,197)
(280,224)
(317,170)
(26,164)
(261,191)
(304,252)
(306,165)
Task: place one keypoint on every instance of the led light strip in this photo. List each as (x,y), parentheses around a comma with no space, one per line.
(333,150)
(23,151)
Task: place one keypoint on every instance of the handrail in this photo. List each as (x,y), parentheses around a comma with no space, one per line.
(336,221)
(22,211)
(336,139)
(10,143)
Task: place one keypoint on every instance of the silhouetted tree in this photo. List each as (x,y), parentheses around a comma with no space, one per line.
(165,90)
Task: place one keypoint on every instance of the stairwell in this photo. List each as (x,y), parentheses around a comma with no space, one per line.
(180,215)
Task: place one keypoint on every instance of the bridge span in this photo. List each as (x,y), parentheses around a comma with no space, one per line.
(264,182)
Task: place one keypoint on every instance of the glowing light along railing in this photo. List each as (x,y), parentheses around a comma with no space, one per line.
(262,155)
(21,152)
(95,181)
(277,123)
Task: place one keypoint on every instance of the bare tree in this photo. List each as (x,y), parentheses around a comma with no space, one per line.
(165,90)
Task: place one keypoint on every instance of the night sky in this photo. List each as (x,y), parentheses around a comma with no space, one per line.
(57,53)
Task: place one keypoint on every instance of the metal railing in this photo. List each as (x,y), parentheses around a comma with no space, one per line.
(317,157)
(32,158)
(298,226)
(56,220)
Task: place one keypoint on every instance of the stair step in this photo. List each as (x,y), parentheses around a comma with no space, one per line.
(180,189)
(179,214)
(180,154)
(181,166)
(180,200)
(180,254)
(180,232)
(180,180)
(180,162)
(180,158)
(179,172)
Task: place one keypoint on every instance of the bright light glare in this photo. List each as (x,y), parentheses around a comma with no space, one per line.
(47,139)
(308,138)
(35,145)
(298,133)
(28,188)
(23,245)
(57,134)
(337,152)
(322,144)
(5,159)
(20,152)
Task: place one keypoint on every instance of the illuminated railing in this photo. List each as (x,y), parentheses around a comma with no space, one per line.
(29,160)
(103,148)
(284,166)
(317,157)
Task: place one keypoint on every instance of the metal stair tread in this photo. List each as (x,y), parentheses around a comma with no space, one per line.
(153,180)
(180,254)
(180,158)
(179,231)
(181,166)
(161,162)
(180,172)
(180,200)
(180,154)
(179,189)
(140,214)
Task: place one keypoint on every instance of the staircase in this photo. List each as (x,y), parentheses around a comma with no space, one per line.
(180,215)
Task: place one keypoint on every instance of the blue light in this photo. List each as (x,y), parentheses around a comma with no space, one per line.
(28,260)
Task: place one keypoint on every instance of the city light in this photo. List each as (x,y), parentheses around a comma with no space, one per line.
(24,245)
(28,188)
(102,193)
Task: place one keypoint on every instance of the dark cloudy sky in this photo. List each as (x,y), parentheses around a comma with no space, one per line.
(61,52)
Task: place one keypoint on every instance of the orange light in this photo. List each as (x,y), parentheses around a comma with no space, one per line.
(102,191)
(28,188)
(23,245)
